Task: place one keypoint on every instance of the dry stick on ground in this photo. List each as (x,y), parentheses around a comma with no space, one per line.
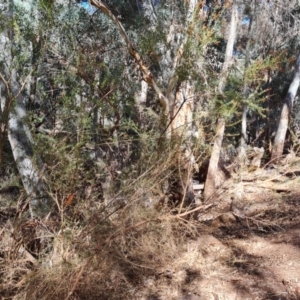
(202,207)
(78,278)
(264,223)
(139,224)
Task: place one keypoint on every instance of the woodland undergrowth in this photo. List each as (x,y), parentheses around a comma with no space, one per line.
(108,230)
(111,231)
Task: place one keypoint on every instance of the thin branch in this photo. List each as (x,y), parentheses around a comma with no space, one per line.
(148,77)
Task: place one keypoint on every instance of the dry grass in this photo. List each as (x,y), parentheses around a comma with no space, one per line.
(98,246)
(131,242)
(98,261)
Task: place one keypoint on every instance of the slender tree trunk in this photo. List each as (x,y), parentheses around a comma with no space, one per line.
(141,101)
(181,100)
(181,96)
(3,120)
(210,183)
(229,47)
(13,114)
(277,150)
(28,164)
(141,96)
(244,137)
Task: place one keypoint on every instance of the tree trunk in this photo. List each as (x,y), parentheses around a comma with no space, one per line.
(13,116)
(244,137)
(277,150)
(229,47)
(182,96)
(210,183)
(22,147)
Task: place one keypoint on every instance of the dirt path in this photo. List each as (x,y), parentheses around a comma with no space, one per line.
(256,267)
(252,258)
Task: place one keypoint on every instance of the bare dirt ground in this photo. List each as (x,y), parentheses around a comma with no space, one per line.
(252,251)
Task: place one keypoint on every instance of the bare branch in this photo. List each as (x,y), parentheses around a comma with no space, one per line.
(148,77)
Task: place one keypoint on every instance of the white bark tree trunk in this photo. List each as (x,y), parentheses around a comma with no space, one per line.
(210,183)
(13,116)
(27,162)
(229,47)
(277,150)
(244,137)
(181,111)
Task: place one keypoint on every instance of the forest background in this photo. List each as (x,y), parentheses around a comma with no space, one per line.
(121,124)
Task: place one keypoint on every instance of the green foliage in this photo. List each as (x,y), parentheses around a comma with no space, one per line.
(101,146)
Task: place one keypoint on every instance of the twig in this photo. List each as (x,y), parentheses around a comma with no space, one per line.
(78,278)
(203,207)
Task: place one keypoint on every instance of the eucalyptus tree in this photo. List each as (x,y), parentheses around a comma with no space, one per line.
(172,87)
(210,184)
(265,32)
(276,32)
(244,138)
(15,72)
(278,146)
(239,78)
(274,28)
